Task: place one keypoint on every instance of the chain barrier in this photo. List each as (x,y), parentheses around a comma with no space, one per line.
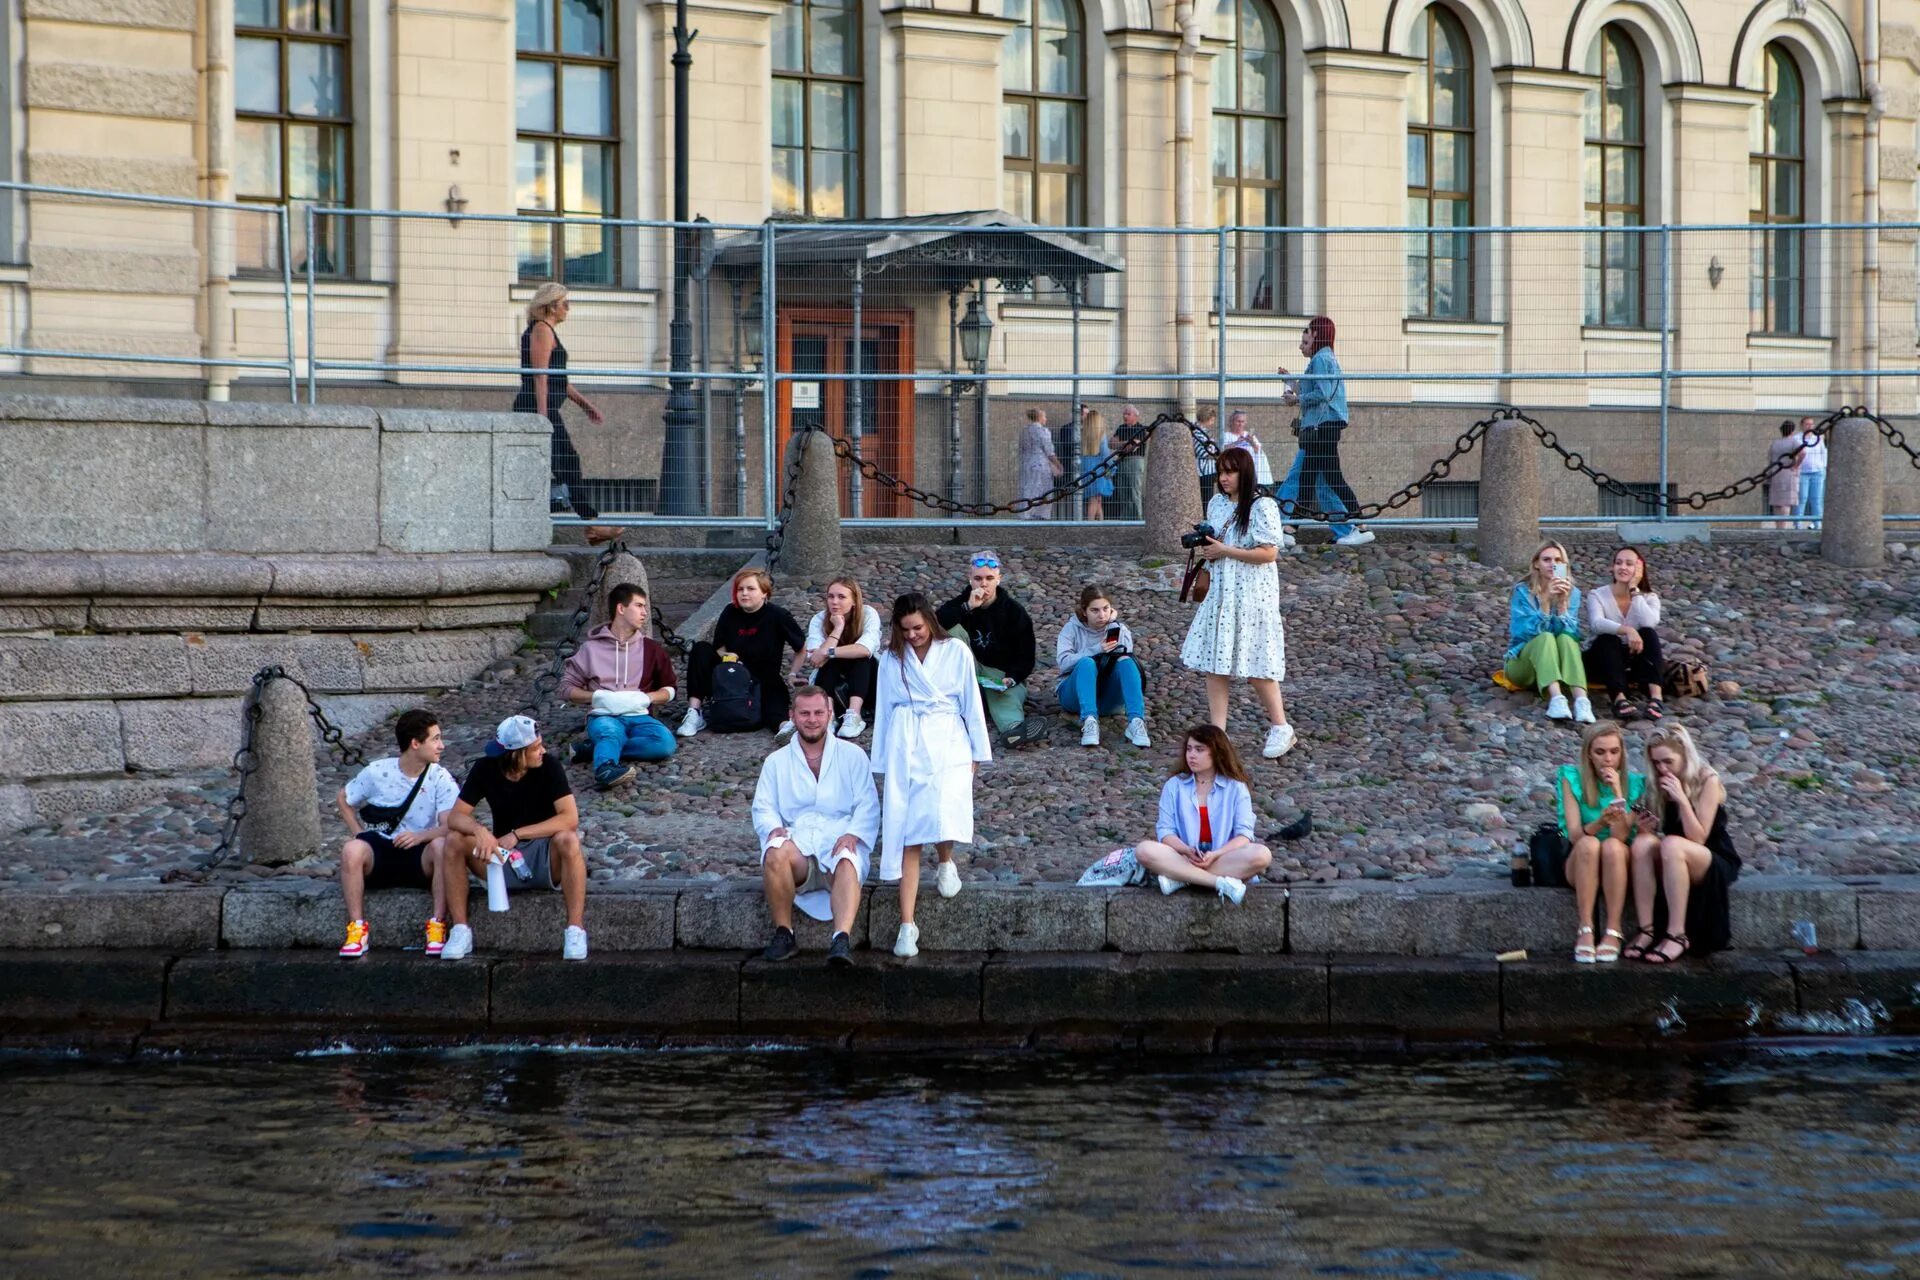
(547,681)
(1296,509)
(1892,433)
(777,536)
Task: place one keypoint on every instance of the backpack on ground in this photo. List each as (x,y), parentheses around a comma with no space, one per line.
(1684,679)
(1547,850)
(734,704)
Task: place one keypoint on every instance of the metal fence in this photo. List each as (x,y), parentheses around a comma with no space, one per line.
(962,355)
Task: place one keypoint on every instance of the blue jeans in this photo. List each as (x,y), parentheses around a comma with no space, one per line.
(617,738)
(1323,495)
(1813,495)
(1119,689)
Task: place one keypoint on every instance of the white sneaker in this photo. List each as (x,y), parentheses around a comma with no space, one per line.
(1280,740)
(1234,891)
(947,878)
(693,723)
(1137,732)
(574,947)
(1557,708)
(1090,732)
(1357,538)
(851,725)
(780,734)
(459,943)
(907,944)
(1169,886)
(1582,710)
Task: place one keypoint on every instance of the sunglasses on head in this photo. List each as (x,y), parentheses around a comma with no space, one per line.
(986,562)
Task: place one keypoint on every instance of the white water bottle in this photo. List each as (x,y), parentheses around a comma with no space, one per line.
(496,887)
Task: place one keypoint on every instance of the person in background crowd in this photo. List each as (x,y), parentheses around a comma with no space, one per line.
(1543,625)
(1240,436)
(1600,811)
(1813,476)
(816,815)
(929,739)
(1783,490)
(533,827)
(396,811)
(1205,416)
(1098,674)
(755,630)
(999,632)
(622,674)
(1039,468)
(1684,866)
(544,393)
(1130,482)
(1237,633)
(1204,835)
(842,640)
(1624,616)
(1321,394)
(1095,449)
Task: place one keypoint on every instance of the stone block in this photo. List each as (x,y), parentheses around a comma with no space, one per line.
(988,917)
(1558,999)
(164,15)
(461,615)
(28,575)
(1485,917)
(115,666)
(451,421)
(43,615)
(679,990)
(1365,918)
(281,824)
(96,89)
(68,986)
(62,476)
(54,739)
(436,491)
(16,808)
(1890,914)
(171,918)
(355,577)
(278,614)
(290,487)
(521,467)
(172,615)
(169,735)
(200,574)
(104,409)
(430,660)
(1145,920)
(1045,987)
(137,175)
(297,912)
(924,992)
(305,986)
(732,916)
(478,575)
(1847,993)
(1763,910)
(55,802)
(1230,991)
(356,713)
(226,664)
(1414,996)
(1170,502)
(94,269)
(278,414)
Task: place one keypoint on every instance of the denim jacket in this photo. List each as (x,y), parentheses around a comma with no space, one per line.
(1525,618)
(1229,810)
(1323,400)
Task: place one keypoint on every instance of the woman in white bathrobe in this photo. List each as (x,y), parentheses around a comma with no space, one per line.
(929,738)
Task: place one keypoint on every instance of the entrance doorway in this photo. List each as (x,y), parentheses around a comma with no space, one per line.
(819,340)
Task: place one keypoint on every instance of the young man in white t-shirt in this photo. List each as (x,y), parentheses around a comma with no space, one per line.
(402,850)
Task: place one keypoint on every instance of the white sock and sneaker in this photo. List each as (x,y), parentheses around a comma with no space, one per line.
(851,725)
(1233,890)
(1355,538)
(1582,709)
(574,945)
(1090,732)
(947,879)
(693,722)
(459,943)
(1137,732)
(1280,740)
(907,943)
(1557,708)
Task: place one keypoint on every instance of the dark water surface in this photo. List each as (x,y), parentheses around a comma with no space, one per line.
(535,1162)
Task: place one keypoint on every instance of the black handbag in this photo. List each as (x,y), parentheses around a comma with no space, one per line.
(1547,851)
(385,818)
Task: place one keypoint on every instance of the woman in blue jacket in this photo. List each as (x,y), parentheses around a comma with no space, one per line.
(1321,394)
(1205,833)
(1543,627)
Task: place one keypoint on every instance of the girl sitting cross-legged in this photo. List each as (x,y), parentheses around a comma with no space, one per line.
(1205,833)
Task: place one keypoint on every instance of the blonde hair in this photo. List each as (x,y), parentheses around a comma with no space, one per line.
(1536,583)
(854,610)
(1093,433)
(1695,772)
(543,300)
(760,576)
(1589,776)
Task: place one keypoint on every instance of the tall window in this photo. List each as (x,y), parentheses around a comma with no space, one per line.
(1249,148)
(292,125)
(816,109)
(1615,155)
(566,154)
(1440,168)
(1043,119)
(1776,177)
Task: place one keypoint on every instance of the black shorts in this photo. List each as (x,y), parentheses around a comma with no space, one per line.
(395,868)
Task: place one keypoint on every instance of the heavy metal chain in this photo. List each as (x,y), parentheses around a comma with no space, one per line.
(1887,429)
(1699,497)
(1295,509)
(547,681)
(777,536)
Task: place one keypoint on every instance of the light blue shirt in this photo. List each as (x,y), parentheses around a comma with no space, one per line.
(1229,811)
(1323,399)
(1526,619)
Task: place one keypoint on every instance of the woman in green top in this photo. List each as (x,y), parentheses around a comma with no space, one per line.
(1601,810)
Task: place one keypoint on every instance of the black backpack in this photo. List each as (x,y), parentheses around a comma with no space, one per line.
(1547,850)
(734,704)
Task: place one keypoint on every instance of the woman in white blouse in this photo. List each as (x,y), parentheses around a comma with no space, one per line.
(1624,616)
(842,641)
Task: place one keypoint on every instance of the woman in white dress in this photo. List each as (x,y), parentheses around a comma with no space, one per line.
(1238,633)
(929,739)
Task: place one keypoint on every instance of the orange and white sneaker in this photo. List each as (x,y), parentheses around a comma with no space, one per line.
(436,937)
(359,939)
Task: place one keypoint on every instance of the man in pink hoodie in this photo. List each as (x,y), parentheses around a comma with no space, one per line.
(622,675)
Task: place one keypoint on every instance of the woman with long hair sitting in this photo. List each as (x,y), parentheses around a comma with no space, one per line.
(1098,674)
(1624,615)
(1600,806)
(1543,628)
(1204,835)
(842,641)
(1681,871)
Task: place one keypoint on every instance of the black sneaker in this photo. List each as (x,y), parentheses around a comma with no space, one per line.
(840,952)
(782,947)
(613,775)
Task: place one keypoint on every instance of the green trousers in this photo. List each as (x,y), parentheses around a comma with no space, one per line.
(1548,658)
(1007,709)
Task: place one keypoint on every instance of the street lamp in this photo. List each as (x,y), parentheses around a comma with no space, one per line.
(976,335)
(754,320)
(976,340)
(679,467)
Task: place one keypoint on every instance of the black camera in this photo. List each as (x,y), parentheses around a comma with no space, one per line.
(1202,534)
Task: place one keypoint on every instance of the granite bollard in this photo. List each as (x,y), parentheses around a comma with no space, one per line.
(811,547)
(624,567)
(1509,524)
(282,823)
(1170,502)
(1850,530)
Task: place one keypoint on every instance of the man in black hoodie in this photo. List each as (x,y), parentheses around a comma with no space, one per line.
(1000,634)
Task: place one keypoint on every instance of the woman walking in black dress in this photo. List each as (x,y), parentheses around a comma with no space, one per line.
(544,393)
(1681,875)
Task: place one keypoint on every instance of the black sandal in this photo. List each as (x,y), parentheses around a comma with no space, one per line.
(1653,710)
(1623,708)
(1657,956)
(1636,949)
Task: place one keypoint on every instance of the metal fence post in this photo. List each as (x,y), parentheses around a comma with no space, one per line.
(286,300)
(769,367)
(1666,358)
(313,390)
(1220,325)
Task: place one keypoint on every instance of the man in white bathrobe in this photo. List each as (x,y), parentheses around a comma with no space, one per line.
(817,815)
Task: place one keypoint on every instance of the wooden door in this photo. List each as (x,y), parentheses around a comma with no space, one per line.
(819,340)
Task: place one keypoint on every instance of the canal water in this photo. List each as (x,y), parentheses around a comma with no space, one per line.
(517,1161)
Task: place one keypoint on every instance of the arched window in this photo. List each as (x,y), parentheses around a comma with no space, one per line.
(1615,180)
(1776,198)
(293,126)
(567,139)
(1249,148)
(816,108)
(1043,116)
(1440,168)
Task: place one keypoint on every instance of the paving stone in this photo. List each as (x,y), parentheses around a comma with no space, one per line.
(299,986)
(732,916)
(173,918)
(1416,995)
(1890,914)
(71,986)
(1142,919)
(988,917)
(308,913)
(684,991)
(167,735)
(56,739)
(930,990)
(226,664)
(1556,998)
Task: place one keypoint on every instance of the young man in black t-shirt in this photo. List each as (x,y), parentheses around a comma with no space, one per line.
(535,831)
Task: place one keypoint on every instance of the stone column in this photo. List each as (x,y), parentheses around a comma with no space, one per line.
(1711,144)
(625,567)
(1509,495)
(1170,498)
(283,812)
(811,547)
(1851,532)
(947,93)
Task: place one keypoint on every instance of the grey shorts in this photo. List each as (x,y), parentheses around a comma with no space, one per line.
(539,868)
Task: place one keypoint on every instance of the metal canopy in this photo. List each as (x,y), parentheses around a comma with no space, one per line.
(929,244)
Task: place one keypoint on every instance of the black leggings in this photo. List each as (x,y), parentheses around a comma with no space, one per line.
(1321,445)
(567,468)
(848,678)
(1610,664)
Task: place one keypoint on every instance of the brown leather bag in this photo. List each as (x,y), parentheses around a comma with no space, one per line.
(1198,579)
